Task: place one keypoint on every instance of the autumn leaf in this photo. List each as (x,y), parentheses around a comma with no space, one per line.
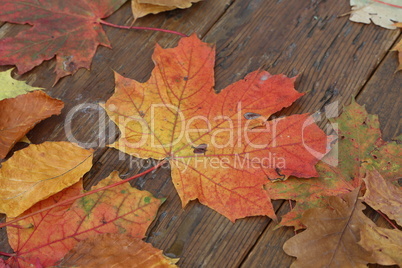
(360,148)
(141,8)
(19,115)
(214,153)
(71,31)
(384,196)
(39,171)
(385,243)
(49,236)
(332,236)
(116,250)
(398,48)
(3,264)
(176,3)
(11,88)
(380,13)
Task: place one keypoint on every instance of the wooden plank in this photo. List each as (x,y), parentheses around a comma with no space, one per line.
(381,95)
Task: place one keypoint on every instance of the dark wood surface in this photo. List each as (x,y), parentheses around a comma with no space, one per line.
(334,58)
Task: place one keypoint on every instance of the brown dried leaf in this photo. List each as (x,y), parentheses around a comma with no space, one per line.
(385,243)
(332,235)
(398,48)
(115,250)
(141,8)
(383,195)
(19,115)
(175,3)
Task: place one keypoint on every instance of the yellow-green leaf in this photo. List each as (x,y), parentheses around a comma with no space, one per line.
(11,88)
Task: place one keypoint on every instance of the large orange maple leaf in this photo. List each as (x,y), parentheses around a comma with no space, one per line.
(220,147)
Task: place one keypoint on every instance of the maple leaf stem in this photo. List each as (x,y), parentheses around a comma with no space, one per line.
(69,200)
(141,28)
(6,254)
(388,220)
(385,3)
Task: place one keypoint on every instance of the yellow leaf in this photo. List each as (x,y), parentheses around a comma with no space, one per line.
(39,171)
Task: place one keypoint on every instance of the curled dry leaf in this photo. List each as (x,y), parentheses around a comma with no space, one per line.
(398,48)
(386,244)
(11,88)
(383,195)
(71,32)
(48,237)
(39,171)
(141,8)
(176,111)
(175,3)
(360,147)
(367,11)
(116,250)
(20,114)
(332,235)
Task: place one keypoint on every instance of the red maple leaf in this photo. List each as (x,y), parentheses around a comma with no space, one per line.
(69,30)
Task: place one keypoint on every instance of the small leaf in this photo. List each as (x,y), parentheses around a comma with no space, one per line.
(382,14)
(384,196)
(11,88)
(39,171)
(115,250)
(332,235)
(398,48)
(386,244)
(19,115)
(121,209)
(141,8)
